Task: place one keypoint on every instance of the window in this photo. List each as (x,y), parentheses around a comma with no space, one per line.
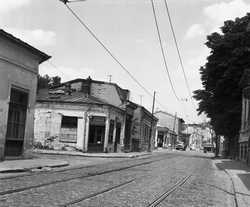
(69,122)
(68,129)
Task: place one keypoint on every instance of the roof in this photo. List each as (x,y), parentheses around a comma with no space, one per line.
(75,97)
(44,95)
(169,114)
(145,110)
(122,92)
(42,55)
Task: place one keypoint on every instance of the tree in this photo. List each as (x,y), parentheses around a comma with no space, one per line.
(220,98)
(56,80)
(47,81)
(43,81)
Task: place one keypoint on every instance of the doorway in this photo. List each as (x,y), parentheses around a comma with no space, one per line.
(117,136)
(16,122)
(96,134)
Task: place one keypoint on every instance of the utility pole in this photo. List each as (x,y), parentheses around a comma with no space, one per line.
(151,127)
(173,142)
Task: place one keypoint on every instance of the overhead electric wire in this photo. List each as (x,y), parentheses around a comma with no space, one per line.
(107,49)
(162,50)
(91,32)
(110,53)
(178,50)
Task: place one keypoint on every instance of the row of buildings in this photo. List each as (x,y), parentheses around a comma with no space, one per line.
(85,114)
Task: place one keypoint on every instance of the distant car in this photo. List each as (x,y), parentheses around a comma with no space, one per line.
(179,147)
(208,148)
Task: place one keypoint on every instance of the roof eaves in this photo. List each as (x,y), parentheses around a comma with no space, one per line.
(43,56)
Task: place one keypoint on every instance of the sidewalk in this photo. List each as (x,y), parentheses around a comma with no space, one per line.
(100,155)
(14,166)
(240,176)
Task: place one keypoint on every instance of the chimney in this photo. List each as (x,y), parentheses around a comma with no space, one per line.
(86,86)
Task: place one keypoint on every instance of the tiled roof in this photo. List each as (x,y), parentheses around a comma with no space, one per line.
(123,93)
(75,97)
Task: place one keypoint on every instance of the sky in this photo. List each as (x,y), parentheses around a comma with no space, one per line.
(127,28)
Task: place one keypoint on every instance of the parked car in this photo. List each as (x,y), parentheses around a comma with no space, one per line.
(180,147)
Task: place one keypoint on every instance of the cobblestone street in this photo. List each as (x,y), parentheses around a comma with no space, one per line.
(163,179)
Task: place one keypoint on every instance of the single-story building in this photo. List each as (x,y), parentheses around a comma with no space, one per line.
(19,64)
(77,119)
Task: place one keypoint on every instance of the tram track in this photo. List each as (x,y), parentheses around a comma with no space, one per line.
(167,193)
(89,174)
(154,203)
(78,200)
(65,170)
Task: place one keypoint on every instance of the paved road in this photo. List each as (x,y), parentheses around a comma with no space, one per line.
(164,179)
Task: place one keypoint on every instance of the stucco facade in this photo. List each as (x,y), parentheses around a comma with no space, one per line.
(143,124)
(48,123)
(18,72)
(169,129)
(86,114)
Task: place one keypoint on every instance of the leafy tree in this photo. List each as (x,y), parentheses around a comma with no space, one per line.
(220,98)
(56,80)
(47,81)
(43,81)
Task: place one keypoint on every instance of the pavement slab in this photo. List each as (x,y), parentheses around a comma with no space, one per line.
(9,166)
(239,174)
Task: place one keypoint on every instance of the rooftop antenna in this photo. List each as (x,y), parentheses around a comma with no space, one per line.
(110,78)
(141,96)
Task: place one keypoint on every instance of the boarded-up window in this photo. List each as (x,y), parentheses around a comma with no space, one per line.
(68,129)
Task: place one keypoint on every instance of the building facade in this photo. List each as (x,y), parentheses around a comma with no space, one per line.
(88,115)
(92,116)
(244,134)
(199,135)
(143,130)
(169,129)
(19,64)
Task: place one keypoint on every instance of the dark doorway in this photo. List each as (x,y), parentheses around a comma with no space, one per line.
(96,134)
(127,138)
(16,122)
(160,139)
(117,136)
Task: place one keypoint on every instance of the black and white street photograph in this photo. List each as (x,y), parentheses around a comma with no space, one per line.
(124,103)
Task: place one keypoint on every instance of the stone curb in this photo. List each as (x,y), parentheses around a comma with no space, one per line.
(101,155)
(11,169)
(242,201)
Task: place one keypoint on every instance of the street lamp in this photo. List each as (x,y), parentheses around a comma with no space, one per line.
(67,1)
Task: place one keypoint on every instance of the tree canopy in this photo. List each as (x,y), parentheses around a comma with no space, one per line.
(220,98)
(47,81)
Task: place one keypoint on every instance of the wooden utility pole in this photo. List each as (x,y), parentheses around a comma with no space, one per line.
(173,141)
(151,127)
